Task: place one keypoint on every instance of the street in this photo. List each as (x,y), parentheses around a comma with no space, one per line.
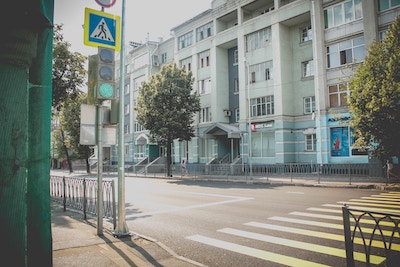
(224,224)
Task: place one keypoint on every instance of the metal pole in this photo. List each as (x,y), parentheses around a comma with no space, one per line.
(249,120)
(99,124)
(122,228)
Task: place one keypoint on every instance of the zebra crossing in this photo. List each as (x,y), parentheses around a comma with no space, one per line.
(317,231)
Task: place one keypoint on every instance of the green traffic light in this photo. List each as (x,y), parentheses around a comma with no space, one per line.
(106,90)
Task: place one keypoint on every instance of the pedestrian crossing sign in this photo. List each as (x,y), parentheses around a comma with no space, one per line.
(102,29)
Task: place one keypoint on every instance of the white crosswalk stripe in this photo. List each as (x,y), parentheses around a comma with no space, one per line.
(329,228)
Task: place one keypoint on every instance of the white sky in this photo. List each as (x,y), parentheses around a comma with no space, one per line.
(153,17)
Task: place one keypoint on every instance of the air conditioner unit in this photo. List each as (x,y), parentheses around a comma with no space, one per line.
(227,113)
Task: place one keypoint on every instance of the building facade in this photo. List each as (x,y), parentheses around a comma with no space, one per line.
(272,76)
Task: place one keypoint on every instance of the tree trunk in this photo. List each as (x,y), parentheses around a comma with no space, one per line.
(66,150)
(169,159)
(87,160)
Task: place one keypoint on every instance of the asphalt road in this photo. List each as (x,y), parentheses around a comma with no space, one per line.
(223,224)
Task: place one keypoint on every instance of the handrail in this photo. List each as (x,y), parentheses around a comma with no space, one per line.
(386,231)
(81,194)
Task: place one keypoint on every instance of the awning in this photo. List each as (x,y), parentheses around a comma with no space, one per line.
(219,129)
(142,139)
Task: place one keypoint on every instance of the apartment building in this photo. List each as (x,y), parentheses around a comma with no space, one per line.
(272,76)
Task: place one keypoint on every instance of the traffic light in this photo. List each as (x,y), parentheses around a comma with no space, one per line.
(105,73)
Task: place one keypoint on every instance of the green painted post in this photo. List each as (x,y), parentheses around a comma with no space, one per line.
(25,58)
(39,121)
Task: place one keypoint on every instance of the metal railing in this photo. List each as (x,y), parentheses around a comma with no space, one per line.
(81,194)
(339,171)
(379,244)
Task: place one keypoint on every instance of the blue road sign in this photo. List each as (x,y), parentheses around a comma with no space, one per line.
(102,29)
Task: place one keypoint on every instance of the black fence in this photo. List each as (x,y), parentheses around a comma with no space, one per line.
(340,171)
(371,238)
(81,194)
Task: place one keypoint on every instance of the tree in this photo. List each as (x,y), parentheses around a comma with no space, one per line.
(375,97)
(69,76)
(69,72)
(69,131)
(166,106)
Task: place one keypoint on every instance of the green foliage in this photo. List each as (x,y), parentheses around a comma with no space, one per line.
(69,118)
(166,104)
(375,96)
(69,72)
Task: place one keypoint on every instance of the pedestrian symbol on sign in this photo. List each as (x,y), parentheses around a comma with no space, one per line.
(102,29)
(102,32)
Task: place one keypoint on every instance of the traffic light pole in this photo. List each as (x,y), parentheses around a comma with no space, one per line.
(121,229)
(99,128)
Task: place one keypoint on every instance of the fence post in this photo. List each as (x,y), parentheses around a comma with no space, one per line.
(291,172)
(64,194)
(349,173)
(347,237)
(113,205)
(84,199)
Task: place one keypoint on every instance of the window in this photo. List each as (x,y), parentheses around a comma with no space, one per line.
(237,114)
(387,4)
(187,64)
(236,85)
(205,86)
(346,52)
(126,128)
(205,115)
(338,94)
(262,106)
(126,150)
(235,57)
(306,34)
(261,72)
(263,144)
(140,149)
(163,58)
(138,127)
(258,39)
(127,109)
(311,142)
(205,31)
(343,13)
(204,59)
(127,88)
(185,40)
(309,104)
(382,34)
(308,68)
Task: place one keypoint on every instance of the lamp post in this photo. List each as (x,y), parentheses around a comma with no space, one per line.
(122,228)
(249,119)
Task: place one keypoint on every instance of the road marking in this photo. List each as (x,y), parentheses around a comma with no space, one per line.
(374,204)
(319,234)
(302,245)
(384,200)
(340,218)
(365,207)
(232,199)
(326,225)
(253,252)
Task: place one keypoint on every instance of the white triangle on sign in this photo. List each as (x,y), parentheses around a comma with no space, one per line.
(102,32)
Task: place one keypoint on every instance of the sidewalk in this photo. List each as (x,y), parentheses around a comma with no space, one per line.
(76,243)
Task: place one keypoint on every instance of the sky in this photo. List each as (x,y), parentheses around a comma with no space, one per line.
(152,18)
